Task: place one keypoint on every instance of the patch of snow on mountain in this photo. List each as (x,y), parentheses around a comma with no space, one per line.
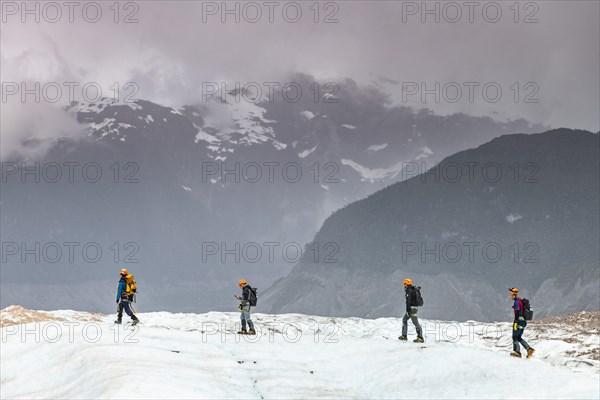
(97,106)
(186,188)
(425,152)
(511,218)
(308,114)
(351,127)
(307,152)
(376,174)
(206,137)
(377,147)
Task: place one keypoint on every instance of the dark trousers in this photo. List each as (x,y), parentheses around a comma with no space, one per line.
(413,317)
(124,304)
(517,338)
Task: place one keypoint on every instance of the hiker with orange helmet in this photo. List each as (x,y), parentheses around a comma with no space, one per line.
(125,294)
(412,306)
(247,299)
(519,325)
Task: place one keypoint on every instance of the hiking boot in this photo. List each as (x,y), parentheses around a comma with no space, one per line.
(118,321)
(530,352)
(419,339)
(135,322)
(252,332)
(515,354)
(243,332)
(403,338)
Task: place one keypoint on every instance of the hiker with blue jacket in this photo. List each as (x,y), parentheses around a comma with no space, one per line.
(245,299)
(125,295)
(412,306)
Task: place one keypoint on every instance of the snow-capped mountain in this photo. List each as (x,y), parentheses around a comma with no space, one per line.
(225,171)
(67,354)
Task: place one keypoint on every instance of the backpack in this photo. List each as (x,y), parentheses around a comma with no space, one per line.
(252,297)
(130,285)
(527,310)
(418,297)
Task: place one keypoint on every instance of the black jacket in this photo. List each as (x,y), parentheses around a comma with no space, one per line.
(245,293)
(411,297)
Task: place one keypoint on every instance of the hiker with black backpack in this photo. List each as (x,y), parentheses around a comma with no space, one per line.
(522,313)
(126,290)
(247,299)
(413,302)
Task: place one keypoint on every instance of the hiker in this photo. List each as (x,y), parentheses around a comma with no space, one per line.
(412,306)
(519,325)
(244,307)
(126,289)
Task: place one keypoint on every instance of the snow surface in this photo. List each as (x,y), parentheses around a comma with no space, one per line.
(293,356)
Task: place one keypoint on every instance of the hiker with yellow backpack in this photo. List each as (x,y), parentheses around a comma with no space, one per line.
(125,296)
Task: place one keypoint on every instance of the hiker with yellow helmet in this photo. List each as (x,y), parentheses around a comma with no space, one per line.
(519,325)
(413,302)
(126,289)
(247,299)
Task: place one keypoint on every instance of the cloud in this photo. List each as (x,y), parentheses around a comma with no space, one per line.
(171,52)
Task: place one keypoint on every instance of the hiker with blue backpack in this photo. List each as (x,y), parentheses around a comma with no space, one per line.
(413,302)
(247,300)
(522,313)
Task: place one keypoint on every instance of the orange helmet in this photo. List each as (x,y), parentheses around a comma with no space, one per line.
(408,281)
(513,290)
(242,282)
(124,271)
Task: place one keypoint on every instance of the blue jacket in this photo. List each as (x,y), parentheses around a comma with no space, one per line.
(121,287)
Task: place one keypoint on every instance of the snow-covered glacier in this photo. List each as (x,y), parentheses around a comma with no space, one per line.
(69,354)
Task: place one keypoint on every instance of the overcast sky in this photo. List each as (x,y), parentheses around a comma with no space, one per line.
(170,51)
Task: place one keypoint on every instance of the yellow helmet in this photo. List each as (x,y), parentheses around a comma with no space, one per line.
(242,282)
(124,271)
(408,281)
(513,290)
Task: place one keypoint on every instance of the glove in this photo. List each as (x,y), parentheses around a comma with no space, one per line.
(117,301)
(240,307)
(521,319)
